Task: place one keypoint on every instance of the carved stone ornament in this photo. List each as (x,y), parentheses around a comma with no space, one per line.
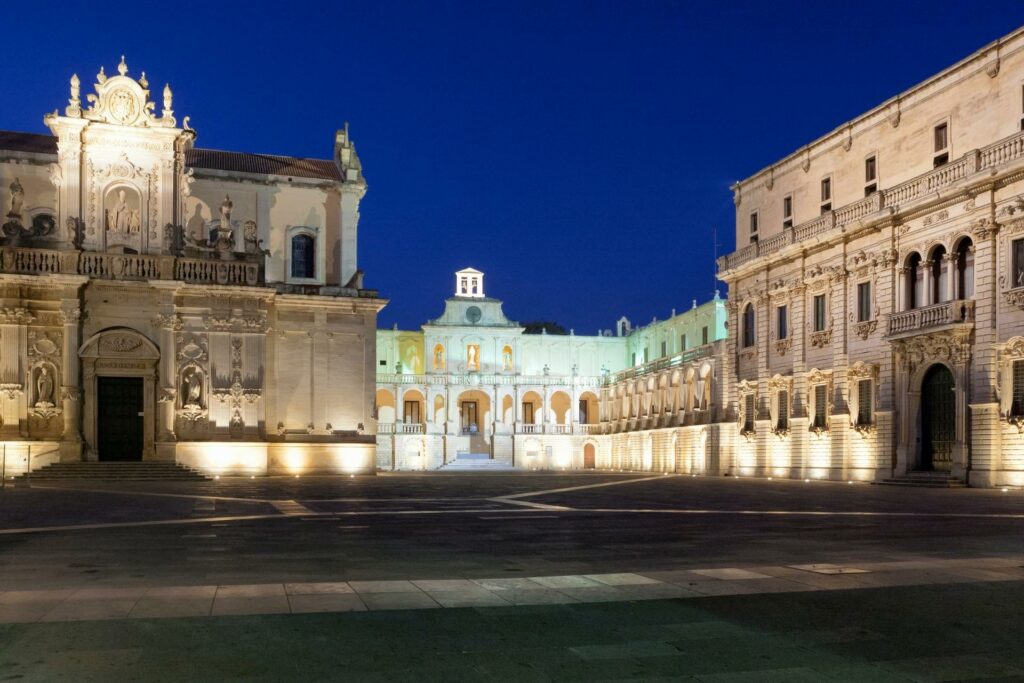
(10,390)
(783,346)
(953,347)
(123,101)
(769,182)
(984,229)
(119,343)
(805,165)
(1015,297)
(821,339)
(16,316)
(168,322)
(895,115)
(865,329)
(748,354)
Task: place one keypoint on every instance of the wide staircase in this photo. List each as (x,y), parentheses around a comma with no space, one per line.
(476,462)
(935,480)
(121,471)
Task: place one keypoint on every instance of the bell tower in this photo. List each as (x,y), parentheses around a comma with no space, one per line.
(469,283)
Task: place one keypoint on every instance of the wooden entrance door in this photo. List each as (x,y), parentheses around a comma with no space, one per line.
(469,421)
(589,457)
(938,419)
(119,418)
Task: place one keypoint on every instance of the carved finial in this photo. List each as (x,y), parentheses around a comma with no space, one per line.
(142,81)
(101,77)
(168,95)
(75,102)
(122,68)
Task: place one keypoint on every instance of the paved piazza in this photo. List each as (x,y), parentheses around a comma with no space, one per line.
(493,576)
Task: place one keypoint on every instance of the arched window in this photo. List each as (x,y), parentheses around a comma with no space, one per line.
(914,281)
(304,256)
(940,275)
(748,326)
(965,269)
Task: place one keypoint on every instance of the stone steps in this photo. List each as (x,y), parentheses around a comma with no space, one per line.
(934,480)
(476,462)
(134,471)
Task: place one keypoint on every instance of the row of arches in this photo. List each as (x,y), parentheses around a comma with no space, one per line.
(938,275)
(681,390)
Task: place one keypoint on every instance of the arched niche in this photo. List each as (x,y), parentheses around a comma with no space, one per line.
(119,352)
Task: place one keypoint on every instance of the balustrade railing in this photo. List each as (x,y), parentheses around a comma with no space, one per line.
(474,379)
(986,158)
(945,313)
(659,364)
(117,266)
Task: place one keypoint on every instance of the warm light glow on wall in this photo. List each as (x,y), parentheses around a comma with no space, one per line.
(819,457)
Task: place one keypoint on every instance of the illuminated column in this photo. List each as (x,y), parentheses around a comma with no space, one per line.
(71,393)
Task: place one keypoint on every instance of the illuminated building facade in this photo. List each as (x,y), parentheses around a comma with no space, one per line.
(159,301)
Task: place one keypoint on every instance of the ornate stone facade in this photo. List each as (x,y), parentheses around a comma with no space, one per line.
(160,301)
(906,226)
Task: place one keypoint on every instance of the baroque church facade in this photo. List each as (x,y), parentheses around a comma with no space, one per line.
(877,289)
(160,301)
(471,390)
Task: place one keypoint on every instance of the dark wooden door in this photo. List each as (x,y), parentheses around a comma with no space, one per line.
(469,423)
(119,418)
(938,419)
(589,457)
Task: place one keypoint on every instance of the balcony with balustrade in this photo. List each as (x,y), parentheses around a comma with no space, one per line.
(956,314)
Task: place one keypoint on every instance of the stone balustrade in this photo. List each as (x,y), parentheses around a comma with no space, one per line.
(116,266)
(920,188)
(659,364)
(946,313)
(476,379)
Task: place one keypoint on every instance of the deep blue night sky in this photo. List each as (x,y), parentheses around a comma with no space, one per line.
(579,154)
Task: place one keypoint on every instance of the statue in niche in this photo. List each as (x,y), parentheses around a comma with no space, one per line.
(439,357)
(134,222)
(472,361)
(506,359)
(17,200)
(193,390)
(119,215)
(44,387)
(412,359)
(251,236)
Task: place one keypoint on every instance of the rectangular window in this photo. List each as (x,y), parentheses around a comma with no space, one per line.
(870,170)
(819,312)
(941,145)
(748,413)
(704,335)
(870,176)
(412,412)
(820,405)
(633,359)
(781,322)
(663,350)
(753,227)
(1018,263)
(682,343)
(787,212)
(383,363)
(1017,405)
(826,189)
(783,415)
(864,408)
(863,302)
(646,355)
(1022,107)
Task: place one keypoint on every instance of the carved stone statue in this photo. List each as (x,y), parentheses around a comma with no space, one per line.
(439,357)
(506,359)
(225,214)
(471,359)
(17,200)
(134,222)
(119,215)
(193,389)
(44,387)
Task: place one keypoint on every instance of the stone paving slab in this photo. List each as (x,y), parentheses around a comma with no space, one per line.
(99,603)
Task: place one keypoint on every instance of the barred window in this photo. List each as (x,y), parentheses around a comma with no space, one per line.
(748,413)
(1017,407)
(865,409)
(820,405)
(782,322)
(783,420)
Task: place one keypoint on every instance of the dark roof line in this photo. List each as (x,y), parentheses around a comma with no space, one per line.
(211,159)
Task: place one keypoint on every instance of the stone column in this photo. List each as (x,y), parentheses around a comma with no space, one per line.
(986,422)
(839,419)
(798,398)
(71,391)
(168,323)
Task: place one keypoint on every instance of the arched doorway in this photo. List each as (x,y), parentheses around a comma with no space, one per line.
(589,457)
(938,419)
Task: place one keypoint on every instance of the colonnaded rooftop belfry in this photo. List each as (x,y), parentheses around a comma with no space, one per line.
(878,289)
(166,302)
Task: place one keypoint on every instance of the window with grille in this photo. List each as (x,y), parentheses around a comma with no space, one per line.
(819,312)
(748,413)
(1017,406)
(782,322)
(820,405)
(782,422)
(303,256)
(787,212)
(863,302)
(865,409)
(748,326)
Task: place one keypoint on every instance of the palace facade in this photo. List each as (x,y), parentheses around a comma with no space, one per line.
(877,289)
(471,390)
(160,301)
